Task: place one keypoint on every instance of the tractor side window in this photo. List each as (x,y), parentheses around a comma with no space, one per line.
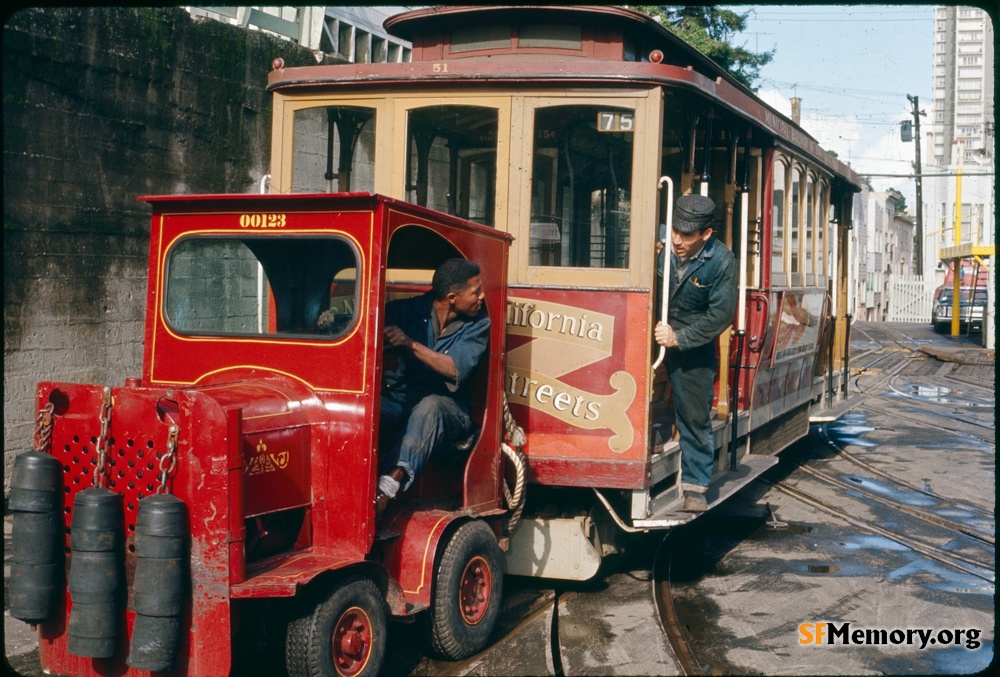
(293,286)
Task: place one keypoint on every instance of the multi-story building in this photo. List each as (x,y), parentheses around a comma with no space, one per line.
(961,136)
(962,121)
(353,34)
(883,240)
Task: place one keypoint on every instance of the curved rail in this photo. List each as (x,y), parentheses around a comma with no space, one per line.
(667,614)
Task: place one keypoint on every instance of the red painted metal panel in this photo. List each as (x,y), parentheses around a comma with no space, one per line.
(172,358)
(411,557)
(138,441)
(282,578)
(577,366)
(756,329)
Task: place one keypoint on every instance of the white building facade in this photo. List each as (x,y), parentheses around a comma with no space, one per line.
(962,135)
(353,34)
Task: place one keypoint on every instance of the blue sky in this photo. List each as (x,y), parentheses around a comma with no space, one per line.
(852,66)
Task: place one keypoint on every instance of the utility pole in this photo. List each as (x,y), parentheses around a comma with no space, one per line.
(919,244)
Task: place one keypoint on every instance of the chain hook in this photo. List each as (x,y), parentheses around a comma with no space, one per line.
(168,462)
(43,428)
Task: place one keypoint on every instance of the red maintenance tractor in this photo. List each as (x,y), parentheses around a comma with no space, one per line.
(241,467)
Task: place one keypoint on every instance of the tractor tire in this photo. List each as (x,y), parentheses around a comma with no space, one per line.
(343,634)
(467,592)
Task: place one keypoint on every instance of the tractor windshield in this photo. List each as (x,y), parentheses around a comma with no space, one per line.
(293,286)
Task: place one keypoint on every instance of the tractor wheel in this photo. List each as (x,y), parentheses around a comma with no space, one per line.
(341,635)
(467,592)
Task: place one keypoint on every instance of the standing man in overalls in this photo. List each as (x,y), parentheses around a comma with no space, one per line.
(702,302)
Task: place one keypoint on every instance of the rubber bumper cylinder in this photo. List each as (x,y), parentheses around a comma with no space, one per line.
(161,536)
(36,571)
(96,573)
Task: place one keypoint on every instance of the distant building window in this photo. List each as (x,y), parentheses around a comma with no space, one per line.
(480,37)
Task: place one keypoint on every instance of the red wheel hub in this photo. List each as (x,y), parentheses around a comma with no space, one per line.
(352,642)
(476,587)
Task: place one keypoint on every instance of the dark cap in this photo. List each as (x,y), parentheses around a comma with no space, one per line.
(693,212)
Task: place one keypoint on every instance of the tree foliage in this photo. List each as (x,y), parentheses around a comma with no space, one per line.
(711,31)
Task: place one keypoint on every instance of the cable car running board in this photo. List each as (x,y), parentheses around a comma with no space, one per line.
(722,487)
(827,413)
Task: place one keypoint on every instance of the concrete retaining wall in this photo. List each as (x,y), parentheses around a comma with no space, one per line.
(101,106)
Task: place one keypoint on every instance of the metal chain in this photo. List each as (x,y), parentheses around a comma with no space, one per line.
(43,428)
(104,440)
(168,462)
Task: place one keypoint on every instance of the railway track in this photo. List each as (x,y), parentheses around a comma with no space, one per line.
(673,629)
(979,511)
(955,532)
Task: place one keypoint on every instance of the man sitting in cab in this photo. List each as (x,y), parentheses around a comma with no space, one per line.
(440,337)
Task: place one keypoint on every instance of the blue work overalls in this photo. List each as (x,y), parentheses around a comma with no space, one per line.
(702,303)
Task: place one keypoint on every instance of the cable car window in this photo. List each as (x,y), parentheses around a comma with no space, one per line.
(560,37)
(581,186)
(810,232)
(295,286)
(471,38)
(451,161)
(823,234)
(778,224)
(334,150)
(795,229)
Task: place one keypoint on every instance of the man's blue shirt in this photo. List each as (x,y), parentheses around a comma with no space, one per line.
(464,340)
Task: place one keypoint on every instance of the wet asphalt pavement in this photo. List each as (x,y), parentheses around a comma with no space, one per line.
(887,522)
(883,519)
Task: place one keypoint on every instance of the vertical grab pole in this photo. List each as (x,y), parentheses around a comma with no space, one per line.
(705,174)
(741,301)
(849,290)
(665,290)
(835,286)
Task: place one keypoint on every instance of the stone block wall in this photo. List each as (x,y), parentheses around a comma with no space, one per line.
(101,106)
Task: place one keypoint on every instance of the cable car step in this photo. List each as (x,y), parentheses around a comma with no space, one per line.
(721,488)
(824,414)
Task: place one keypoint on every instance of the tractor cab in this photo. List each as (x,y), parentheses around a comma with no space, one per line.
(257,413)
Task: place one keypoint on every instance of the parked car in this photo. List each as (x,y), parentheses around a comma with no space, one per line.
(970,314)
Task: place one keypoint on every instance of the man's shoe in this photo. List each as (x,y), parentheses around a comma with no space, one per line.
(694,502)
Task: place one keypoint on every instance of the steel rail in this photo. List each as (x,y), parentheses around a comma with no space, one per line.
(919,514)
(979,570)
(851,458)
(666,613)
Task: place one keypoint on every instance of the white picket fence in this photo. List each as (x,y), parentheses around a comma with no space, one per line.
(910,299)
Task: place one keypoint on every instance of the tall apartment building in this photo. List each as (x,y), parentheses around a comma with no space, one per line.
(962,132)
(963,119)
